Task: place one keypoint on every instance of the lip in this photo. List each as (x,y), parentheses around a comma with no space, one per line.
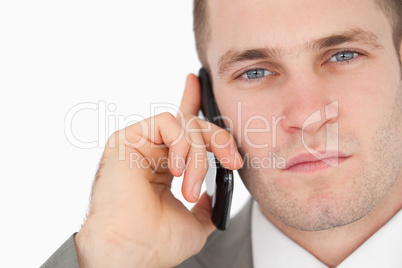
(315,162)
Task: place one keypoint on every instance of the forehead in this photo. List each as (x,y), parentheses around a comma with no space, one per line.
(289,24)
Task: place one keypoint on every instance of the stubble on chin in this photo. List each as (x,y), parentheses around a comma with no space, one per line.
(329,208)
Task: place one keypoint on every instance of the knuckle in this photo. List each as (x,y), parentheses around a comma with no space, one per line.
(191,121)
(166,116)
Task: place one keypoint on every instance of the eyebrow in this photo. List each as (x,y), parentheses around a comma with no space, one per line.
(357,35)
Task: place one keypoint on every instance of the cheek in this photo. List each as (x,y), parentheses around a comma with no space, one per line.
(366,103)
(255,134)
(251,127)
(249,117)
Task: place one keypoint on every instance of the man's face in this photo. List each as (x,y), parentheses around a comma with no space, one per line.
(278,66)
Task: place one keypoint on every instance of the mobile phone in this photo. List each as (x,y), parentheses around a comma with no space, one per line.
(222,195)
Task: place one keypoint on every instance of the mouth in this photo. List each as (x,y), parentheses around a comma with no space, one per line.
(309,163)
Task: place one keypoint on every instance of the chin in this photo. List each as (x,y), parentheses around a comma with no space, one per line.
(319,208)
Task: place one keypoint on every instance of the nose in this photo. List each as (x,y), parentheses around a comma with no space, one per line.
(309,103)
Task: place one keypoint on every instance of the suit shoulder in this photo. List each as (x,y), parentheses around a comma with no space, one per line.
(230,248)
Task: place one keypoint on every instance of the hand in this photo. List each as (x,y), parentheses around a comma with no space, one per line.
(134,219)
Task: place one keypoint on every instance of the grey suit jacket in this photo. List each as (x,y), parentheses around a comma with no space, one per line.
(231,248)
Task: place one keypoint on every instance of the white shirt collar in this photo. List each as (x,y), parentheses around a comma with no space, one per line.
(272,248)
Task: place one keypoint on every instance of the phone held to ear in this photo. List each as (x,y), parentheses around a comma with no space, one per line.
(222,196)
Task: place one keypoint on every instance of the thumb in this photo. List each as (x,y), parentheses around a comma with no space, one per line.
(202,211)
(191,100)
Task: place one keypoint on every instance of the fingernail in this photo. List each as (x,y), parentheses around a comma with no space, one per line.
(197,189)
(232,150)
(239,159)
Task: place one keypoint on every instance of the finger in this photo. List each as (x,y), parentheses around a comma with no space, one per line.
(202,211)
(164,131)
(178,152)
(216,140)
(152,134)
(191,100)
(222,143)
(197,164)
(143,147)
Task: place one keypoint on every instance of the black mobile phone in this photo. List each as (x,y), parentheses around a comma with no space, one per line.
(222,195)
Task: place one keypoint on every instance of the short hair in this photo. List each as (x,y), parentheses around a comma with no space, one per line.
(202,30)
(391,8)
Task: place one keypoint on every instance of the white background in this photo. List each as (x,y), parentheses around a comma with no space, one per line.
(58,54)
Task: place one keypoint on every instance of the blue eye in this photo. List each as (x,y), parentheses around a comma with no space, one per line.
(256,73)
(344,56)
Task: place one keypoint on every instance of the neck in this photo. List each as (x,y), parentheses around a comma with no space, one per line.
(334,245)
